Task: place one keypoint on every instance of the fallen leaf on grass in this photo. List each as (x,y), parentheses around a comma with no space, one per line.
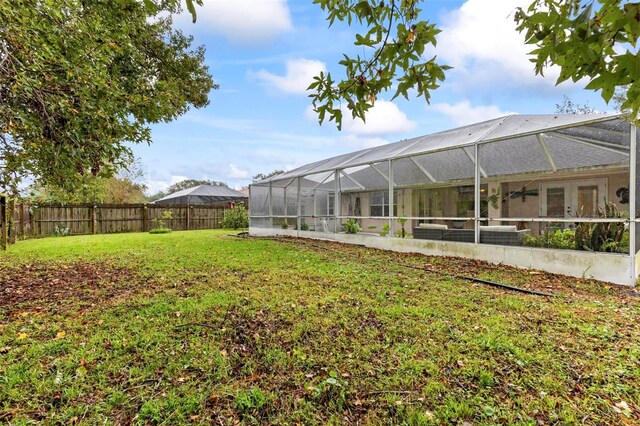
(60,334)
(622,405)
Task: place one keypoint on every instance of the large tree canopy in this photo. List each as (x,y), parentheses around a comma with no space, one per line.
(79,79)
(595,40)
(394,42)
(126,186)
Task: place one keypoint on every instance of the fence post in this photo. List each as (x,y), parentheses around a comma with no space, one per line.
(144,218)
(94,219)
(3,222)
(12,222)
(32,220)
(21,227)
(188,215)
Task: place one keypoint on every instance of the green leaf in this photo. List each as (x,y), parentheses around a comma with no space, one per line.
(192,10)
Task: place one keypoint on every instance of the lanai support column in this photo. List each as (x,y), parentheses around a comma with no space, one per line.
(286,206)
(476,194)
(299,207)
(634,236)
(270,204)
(248,209)
(337,203)
(391,212)
(315,209)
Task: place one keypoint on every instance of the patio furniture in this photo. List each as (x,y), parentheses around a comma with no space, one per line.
(506,235)
(429,231)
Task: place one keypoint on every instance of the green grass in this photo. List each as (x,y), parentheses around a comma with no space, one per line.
(159,231)
(206,328)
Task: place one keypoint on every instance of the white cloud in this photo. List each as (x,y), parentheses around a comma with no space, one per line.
(248,22)
(176,179)
(299,75)
(382,119)
(463,113)
(156,185)
(480,41)
(237,173)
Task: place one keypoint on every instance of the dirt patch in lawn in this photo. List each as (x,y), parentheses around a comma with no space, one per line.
(40,287)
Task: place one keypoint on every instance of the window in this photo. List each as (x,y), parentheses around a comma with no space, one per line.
(380,203)
(330,203)
(465,203)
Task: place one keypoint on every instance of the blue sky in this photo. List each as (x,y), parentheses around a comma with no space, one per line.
(264,53)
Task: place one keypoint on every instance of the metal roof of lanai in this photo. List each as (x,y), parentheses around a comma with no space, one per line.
(600,131)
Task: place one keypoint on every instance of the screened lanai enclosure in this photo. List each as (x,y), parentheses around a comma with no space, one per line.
(551,192)
(209,195)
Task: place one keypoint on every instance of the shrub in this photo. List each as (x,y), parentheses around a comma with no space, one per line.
(599,236)
(159,231)
(236,218)
(402,221)
(160,225)
(351,226)
(558,239)
(61,230)
(602,236)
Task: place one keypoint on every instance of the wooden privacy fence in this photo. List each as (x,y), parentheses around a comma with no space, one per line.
(32,221)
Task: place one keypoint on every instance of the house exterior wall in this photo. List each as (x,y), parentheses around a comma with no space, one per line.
(404,205)
(527,206)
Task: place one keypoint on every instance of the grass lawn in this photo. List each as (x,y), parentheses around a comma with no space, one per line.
(202,327)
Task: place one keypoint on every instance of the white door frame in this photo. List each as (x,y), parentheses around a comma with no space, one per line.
(571,194)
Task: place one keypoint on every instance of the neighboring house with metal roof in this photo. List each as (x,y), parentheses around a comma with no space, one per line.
(495,191)
(210,195)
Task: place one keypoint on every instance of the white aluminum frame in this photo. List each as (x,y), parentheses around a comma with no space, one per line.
(478,176)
